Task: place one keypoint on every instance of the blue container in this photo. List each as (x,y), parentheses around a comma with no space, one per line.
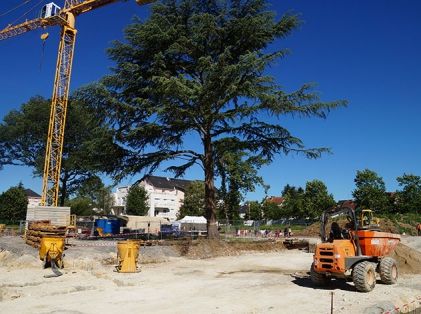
(112,226)
(100,223)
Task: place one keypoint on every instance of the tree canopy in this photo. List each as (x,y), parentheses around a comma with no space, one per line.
(306,203)
(137,201)
(91,197)
(317,199)
(80,206)
(92,194)
(195,70)
(13,205)
(254,210)
(409,198)
(194,200)
(239,175)
(370,191)
(88,145)
(272,210)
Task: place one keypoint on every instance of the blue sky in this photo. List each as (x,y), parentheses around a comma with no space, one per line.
(367,52)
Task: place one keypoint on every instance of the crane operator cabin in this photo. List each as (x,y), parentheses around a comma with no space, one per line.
(50,9)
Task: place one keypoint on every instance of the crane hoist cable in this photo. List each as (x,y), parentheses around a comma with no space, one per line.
(44,37)
(15,8)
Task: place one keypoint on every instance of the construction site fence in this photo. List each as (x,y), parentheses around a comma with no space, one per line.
(238,228)
(261,228)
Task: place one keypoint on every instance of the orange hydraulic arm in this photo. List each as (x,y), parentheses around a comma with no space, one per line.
(54,148)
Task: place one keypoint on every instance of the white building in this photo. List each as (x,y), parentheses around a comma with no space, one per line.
(120,197)
(34,199)
(165,196)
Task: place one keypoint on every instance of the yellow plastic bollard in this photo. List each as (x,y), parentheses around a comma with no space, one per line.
(127,256)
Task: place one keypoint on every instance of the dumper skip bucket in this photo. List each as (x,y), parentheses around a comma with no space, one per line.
(51,252)
(127,256)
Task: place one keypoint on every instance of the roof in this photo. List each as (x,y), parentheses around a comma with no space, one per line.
(275,199)
(194,219)
(168,183)
(347,203)
(30,193)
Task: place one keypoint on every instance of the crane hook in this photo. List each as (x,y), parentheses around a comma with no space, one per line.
(44,36)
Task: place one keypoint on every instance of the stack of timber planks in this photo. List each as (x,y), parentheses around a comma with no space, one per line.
(38,229)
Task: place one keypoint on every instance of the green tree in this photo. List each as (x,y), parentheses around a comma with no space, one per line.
(317,199)
(271,210)
(254,211)
(196,69)
(92,194)
(370,191)
(88,145)
(105,200)
(91,188)
(137,201)
(239,175)
(80,206)
(294,202)
(3,158)
(13,205)
(287,189)
(409,198)
(194,200)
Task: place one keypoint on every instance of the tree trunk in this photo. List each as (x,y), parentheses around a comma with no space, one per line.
(63,189)
(223,195)
(210,199)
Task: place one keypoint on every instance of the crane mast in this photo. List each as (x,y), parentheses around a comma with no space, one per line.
(57,122)
(54,148)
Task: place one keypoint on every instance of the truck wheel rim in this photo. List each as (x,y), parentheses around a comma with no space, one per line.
(370,277)
(394,272)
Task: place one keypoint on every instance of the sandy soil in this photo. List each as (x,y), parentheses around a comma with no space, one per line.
(270,282)
(413,242)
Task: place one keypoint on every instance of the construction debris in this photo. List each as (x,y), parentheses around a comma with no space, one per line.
(294,243)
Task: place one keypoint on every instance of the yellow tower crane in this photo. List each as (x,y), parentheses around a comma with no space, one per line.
(52,15)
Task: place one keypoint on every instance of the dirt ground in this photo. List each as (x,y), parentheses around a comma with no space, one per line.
(187,279)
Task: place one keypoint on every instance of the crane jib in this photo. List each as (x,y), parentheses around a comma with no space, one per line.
(27,26)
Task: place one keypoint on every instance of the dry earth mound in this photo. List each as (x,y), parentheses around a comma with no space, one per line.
(409,260)
(213,248)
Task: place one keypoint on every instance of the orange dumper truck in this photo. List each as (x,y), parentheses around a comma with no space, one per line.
(350,251)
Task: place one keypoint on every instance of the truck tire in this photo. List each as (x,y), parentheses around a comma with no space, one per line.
(388,271)
(364,276)
(317,278)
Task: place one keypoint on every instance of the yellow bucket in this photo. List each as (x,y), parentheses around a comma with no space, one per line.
(51,248)
(2,228)
(127,256)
